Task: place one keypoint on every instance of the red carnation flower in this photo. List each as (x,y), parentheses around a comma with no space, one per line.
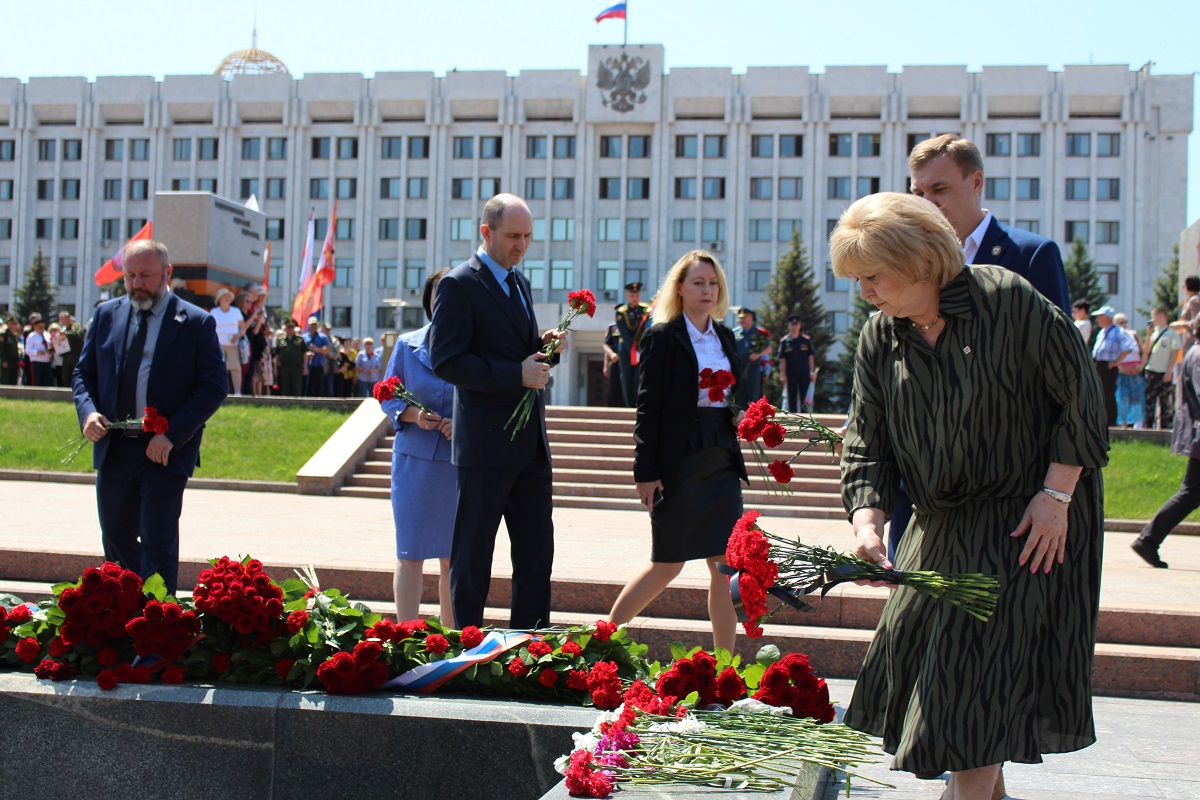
(548,677)
(577,680)
(436,643)
(604,630)
(583,300)
(296,621)
(471,637)
(54,671)
(537,649)
(517,668)
(781,471)
(706,376)
(28,649)
(570,648)
(106,680)
(386,389)
(716,394)
(366,652)
(773,434)
(284,666)
(18,616)
(172,674)
(221,663)
(605,685)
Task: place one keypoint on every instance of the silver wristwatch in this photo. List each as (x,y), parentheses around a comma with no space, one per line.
(1061,497)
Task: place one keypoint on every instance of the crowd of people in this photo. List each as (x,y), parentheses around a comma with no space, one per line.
(35,354)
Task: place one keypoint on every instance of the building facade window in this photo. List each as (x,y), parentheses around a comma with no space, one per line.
(114,149)
(207,185)
(418,188)
(110,230)
(1108,278)
(207,149)
(608,275)
(1031,225)
(68,228)
(389,188)
(564,188)
(43,228)
(72,149)
(1029,144)
(181,150)
(68,267)
(714,188)
(791,145)
(686,146)
(47,149)
(461,188)
(1108,232)
(714,146)
(840,144)
(608,230)
(535,273)
(8,150)
(343,273)
(414,273)
(276,188)
(275,229)
(760,230)
(414,229)
(45,189)
(251,149)
(276,148)
(341,317)
(139,189)
(787,227)
(639,188)
(385,273)
(762,145)
(464,146)
(685,188)
(562,271)
(869,145)
(391,147)
(562,229)
(490,146)
(683,230)
(1028,188)
(249,187)
(999,144)
(418,147)
(1079,144)
(1076,229)
(610,146)
(489,188)
(791,188)
(1108,145)
(347,188)
(70,189)
(564,146)
(758,274)
(1108,188)
(321,147)
(712,231)
(637,229)
(318,188)
(345,229)
(760,188)
(535,146)
(865,186)
(639,146)
(838,188)
(1077,189)
(112,189)
(462,229)
(997,189)
(535,188)
(347,147)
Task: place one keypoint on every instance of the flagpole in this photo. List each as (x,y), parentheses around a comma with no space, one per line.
(625,43)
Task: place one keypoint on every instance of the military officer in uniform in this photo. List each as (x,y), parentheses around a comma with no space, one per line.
(754,349)
(10,351)
(632,319)
(799,363)
(74,332)
(290,353)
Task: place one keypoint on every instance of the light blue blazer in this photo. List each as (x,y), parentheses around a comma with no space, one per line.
(410,363)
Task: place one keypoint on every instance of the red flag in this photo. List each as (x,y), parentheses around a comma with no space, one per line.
(112,269)
(267,268)
(309,299)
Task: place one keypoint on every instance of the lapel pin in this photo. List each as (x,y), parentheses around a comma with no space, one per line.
(967,350)
(996,250)
(180,317)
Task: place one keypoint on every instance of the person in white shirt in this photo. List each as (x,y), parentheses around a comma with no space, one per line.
(231,327)
(37,350)
(1082,312)
(370,368)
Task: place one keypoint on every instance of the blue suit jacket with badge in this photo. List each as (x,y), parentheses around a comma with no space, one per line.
(410,363)
(1035,258)
(478,342)
(187,381)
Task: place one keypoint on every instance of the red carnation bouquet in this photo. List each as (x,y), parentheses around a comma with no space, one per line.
(151,422)
(580,302)
(717,383)
(392,389)
(772,426)
(761,563)
(791,682)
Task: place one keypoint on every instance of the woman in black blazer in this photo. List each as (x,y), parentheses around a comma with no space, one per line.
(687,461)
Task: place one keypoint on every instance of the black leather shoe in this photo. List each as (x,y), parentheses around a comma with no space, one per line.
(1149,554)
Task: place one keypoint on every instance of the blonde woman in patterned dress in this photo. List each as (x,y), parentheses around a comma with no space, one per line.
(981,396)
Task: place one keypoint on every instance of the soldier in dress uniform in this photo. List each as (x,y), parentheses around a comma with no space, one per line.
(290,353)
(633,318)
(754,347)
(799,363)
(10,351)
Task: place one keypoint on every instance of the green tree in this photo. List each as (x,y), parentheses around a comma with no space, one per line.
(793,290)
(36,294)
(841,382)
(1083,282)
(1166,289)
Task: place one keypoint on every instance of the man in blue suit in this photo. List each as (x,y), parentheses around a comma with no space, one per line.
(485,342)
(147,349)
(948,171)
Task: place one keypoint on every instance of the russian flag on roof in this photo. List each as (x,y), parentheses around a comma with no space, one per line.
(615,11)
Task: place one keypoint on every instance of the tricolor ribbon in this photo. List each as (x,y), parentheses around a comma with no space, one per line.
(427,678)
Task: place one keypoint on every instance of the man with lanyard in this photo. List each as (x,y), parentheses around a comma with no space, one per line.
(318,351)
(799,363)
(632,318)
(1110,350)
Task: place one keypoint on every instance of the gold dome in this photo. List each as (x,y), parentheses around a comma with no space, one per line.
(251,62)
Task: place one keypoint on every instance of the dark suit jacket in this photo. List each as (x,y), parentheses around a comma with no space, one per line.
(477,343)
(187,377)
(666,409)
(1034,258)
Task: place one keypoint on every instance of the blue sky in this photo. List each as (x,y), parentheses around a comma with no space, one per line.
(172,38)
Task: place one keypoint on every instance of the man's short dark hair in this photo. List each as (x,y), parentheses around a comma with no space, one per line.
(1192,283)
(1083,305)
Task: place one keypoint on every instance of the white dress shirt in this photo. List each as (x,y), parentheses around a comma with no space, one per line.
(709,354)
(971,245)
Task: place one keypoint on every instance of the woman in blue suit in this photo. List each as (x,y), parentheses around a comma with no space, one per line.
(422,475)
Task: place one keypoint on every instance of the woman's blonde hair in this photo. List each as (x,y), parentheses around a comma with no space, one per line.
(667,305)
(899,235)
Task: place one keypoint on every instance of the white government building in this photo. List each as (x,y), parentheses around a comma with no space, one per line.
(625,167)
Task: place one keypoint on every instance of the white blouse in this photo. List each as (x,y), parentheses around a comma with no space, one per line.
(710,355)
(227,324)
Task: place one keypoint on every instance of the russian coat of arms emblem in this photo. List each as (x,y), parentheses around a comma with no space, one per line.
(622,80)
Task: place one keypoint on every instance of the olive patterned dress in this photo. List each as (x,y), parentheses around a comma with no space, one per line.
(971,427)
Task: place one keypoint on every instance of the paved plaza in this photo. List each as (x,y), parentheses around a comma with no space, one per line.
(1146,748)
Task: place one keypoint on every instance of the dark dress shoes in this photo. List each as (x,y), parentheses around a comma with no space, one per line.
(1149,554)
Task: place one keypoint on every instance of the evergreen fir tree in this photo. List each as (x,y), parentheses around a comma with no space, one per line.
(37,294)
(793,290)
(841,382)
(1166,289)
(1083,282)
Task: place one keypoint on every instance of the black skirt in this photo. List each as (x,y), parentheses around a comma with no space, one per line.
(702,503)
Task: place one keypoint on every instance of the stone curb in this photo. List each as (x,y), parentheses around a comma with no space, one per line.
(89,478)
